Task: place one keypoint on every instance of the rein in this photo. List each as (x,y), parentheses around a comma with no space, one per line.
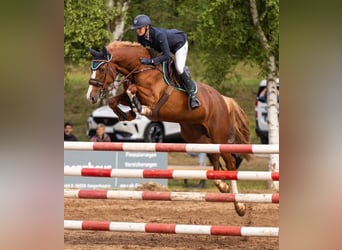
(97,63)
(99,84)
(134,72)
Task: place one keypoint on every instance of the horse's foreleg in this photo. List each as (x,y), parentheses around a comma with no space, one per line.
(136,105)
(113,103)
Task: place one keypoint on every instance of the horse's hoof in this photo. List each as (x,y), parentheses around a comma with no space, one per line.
(222,186)
(240,208)
(132,115)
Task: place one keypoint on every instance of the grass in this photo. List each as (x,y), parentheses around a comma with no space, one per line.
(76,107)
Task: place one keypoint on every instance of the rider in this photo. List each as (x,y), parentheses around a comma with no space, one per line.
(166,41)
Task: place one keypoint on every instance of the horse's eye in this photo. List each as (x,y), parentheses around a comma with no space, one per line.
(101,69)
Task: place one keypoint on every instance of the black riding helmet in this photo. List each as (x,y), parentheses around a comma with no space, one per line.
(140,21)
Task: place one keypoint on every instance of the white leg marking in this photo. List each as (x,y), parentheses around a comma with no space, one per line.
(234,187)
(240,208)
(130,95)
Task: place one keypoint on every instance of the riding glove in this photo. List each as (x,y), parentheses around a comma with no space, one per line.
(146,61)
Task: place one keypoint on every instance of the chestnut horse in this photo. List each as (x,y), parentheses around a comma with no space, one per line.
(219,119)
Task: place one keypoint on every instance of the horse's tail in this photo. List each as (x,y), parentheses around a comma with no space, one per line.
(239,131)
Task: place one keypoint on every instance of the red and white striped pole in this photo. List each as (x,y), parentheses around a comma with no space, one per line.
(173,147)
(171,228)
(172,174)
(171,196)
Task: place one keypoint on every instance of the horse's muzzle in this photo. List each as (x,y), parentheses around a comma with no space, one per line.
(93,100)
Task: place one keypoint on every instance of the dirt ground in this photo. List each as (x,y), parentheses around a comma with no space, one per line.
(179,212)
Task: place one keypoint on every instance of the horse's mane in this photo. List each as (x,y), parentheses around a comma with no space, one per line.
(121,44)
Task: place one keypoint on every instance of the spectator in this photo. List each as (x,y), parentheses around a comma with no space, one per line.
(202,159)
(68,136)
(100,136)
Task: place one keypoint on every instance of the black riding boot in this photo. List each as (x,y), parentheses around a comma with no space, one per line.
(189,86)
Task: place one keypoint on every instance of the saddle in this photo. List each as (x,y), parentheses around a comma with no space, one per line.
(171,76)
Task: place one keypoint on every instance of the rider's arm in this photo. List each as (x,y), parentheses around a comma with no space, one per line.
(165,49)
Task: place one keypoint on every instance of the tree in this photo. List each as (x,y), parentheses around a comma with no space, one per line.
(119,14)
(85,25)
(272,73)
(234,31)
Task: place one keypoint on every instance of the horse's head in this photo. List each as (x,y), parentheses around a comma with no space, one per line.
(103,74)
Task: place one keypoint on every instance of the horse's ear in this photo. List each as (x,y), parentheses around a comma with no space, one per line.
(105,52)
(93,52)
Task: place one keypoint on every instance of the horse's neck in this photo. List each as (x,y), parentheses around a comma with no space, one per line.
(128,59)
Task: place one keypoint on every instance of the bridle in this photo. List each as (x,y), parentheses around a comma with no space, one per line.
(97,63)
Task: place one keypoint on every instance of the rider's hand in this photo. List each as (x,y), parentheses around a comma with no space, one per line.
(146,61)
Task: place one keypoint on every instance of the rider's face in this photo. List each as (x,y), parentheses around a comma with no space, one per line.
(141,31)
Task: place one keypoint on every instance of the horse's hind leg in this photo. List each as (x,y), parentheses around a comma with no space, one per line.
(240,208)
(215,161)
(232,163)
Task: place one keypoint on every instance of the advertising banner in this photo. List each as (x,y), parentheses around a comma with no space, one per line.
(112,160)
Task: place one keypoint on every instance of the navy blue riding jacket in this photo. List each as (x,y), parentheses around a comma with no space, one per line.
(166,41)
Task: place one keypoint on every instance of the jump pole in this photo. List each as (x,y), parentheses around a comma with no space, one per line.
(173,147)
(171,196)
(173,174)
(171,228)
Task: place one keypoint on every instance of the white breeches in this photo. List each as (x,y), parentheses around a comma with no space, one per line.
(180,56)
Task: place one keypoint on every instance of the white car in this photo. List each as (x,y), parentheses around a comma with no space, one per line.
(139,129)
(261,127)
